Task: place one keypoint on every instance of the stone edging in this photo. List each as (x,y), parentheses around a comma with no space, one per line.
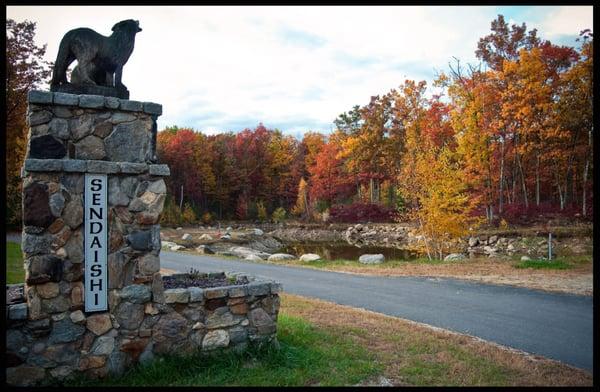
(84,101)
(94,166)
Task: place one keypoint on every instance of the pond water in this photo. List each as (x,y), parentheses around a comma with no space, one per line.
(329,251)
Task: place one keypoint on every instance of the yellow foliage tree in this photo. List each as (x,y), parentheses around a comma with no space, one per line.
(261,211)
(301,208)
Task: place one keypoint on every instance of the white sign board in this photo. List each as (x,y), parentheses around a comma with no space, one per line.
(96,242)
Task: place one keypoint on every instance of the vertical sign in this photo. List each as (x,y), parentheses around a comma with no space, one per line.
(95,242)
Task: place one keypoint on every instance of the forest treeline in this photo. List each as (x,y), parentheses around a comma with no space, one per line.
(509,137)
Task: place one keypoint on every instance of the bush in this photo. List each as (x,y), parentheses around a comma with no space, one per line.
(518,214)
(261,211)
(207,218)
(278,215)
(188,215)
(361,212)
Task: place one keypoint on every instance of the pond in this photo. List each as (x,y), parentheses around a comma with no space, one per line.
(334,251)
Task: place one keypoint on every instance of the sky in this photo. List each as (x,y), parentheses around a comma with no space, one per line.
(294,68)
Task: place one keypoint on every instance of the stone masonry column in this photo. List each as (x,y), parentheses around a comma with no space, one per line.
(69,136)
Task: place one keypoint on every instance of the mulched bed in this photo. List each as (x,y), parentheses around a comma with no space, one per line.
(202,281)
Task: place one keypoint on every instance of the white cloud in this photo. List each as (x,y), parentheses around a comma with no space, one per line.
(567,20)
(212,68)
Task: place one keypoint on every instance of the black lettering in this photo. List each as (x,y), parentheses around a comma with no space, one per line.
(96,270)
(95,224)
(95,298)
(95,256)
(96,241)
(96,184)
(94,212)
(92,284)
(96,199)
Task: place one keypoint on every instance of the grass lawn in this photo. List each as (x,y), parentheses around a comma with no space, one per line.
(15,273)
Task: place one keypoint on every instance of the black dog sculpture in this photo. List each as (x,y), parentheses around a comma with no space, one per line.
(100,60)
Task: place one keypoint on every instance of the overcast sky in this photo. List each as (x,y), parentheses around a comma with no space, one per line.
(293,68)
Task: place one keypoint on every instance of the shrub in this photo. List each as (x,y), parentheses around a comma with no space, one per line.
(361,212)
(207,218)
(518,214)
(261,211)
(188,215)
(278,215)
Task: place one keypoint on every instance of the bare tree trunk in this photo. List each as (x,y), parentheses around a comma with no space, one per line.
(181,198)
(501,196)
(537,180)
(523,185)
(584,181)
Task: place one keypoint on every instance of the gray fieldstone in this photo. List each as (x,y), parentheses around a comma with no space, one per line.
(74,247)
(129,315)
(56,305)
(276,287)
(136,293)
(25,376)
(82,126)
(102,167)
(131,106)
(39,117)
(262,321)
(39,130)
(91,101)
(253,257)
(149,264)
(77,317)
(17,312)
(215,292)
(62,112)
(66,99)
(111,102)
(152,108)
(371,259)
(159,170)
(43,165)
(65,331)
(74,165)
(104,345)
(170,327)
(128,142)
(186,237)
(215,339)
(47,290)
(140,240)
(177,296)
(37,213)
(57,203)
(39,97)
(281,257)
(33,244)
(116,195)
(221,320)
(310,257)
(73,212)
(258,288)
(60,128)
(103,129)
(120,117)
(158,186)
(196,294)
(238,335)
(454,257)
(237,291)
(90,147)
(133,168)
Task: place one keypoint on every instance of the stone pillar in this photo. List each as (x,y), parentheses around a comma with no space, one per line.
(69,136)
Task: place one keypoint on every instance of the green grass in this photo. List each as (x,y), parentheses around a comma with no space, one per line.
(340,263)
(558,264)
(15,273)
(307,356)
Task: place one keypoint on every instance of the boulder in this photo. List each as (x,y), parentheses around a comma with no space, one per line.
(492,239)
(205,250)
(525,258)
(454,257)
(257,232)
(281,257)
(473,241)
(186,237)
(205,237)
(242,251)
(253,257)
(226,236)
(371,259)
(308,257)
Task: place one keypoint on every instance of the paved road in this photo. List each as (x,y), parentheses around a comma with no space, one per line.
(557,326)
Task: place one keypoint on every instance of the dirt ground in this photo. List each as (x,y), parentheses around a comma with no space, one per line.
(578,280)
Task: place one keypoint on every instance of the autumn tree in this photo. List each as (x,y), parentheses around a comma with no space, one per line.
(25,70)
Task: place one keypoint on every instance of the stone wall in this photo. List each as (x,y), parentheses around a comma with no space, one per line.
(49,336)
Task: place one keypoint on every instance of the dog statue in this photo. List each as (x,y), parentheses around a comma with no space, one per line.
(100,60)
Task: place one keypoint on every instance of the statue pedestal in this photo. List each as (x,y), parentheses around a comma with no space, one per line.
(71,88)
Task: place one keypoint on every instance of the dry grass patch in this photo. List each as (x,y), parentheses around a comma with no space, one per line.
(415,354)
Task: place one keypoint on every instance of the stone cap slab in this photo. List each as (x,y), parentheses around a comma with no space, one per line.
(94,166)
(85,101)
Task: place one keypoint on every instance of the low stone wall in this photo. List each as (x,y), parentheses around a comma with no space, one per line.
(178,321)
